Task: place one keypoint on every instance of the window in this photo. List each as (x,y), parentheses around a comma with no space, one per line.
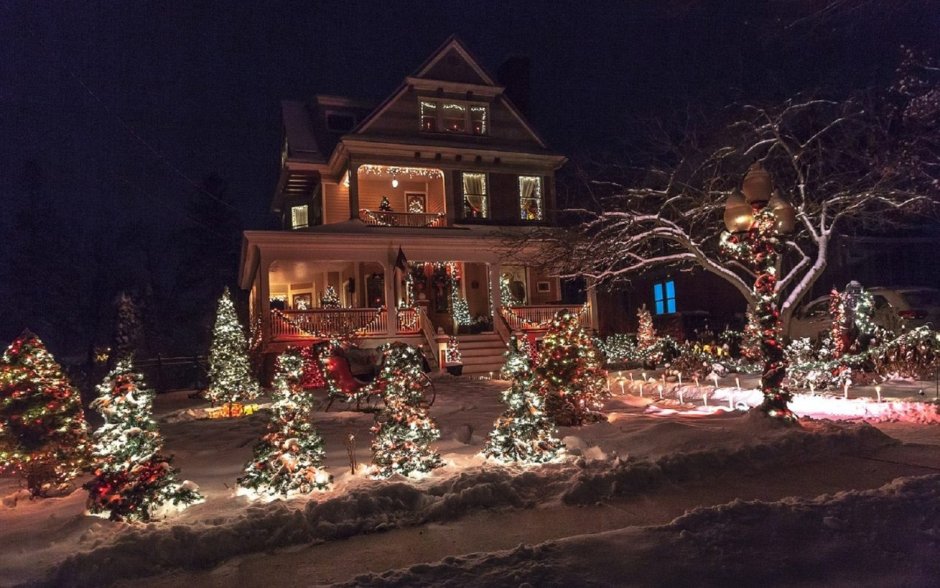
(474,196)
(530,197)
(298,217)
(340,122)
(429,116)
(453,117)
(665,297)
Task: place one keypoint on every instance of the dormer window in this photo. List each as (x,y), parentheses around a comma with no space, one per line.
(299,217)
(460,118)
(340,122)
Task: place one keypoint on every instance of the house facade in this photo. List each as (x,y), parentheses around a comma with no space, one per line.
(395,218)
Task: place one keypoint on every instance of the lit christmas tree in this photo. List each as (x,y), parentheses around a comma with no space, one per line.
(524,432)
(403,431)
(288,460)
(452,355)
(518,357)
(230,378)
(329,299)
(132,479)
(385,205)
(751,340)
(569,374)
(646,341)
(43,435)
(312,375)
(839,329)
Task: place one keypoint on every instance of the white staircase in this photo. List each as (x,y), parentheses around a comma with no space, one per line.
(482,353)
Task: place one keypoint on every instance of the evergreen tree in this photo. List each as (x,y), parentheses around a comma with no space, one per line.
(43,435)
(288,459)
(646,340)
(133,479)
(230,378)
(751,340)
(524,432)
(569,374)
(128,329)
(404,431)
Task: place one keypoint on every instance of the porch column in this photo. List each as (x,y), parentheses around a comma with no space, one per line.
(451,206)
(493,269)
(264,293)
(390,303)
(353,191)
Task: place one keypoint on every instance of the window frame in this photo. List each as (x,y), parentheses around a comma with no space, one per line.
(293,224)
(539,200)
(339,113)
(486,196)
(440,108)
(663,302)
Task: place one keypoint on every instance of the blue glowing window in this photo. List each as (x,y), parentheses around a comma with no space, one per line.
(664,296)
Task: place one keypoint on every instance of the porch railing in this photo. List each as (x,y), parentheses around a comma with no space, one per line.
(322,323)
(383,218)
(539,317)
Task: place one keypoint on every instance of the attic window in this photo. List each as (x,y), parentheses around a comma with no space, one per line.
(454,117)
(340,122)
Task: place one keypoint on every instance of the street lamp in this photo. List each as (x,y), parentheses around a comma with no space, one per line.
(755,218)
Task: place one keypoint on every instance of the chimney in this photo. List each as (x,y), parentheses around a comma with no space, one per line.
(514,75)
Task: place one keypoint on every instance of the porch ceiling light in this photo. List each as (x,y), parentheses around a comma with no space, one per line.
(394,182)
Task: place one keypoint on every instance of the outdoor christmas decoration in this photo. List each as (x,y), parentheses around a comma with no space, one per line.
(385,205)
(312,377)
(287,461)
(128,330)
(750,341)
(403,431)
(569,374)
(133,479)
(43,436)
(524,433)
(518,357)
(647,343)
(618,348)
(230,379)
(330,299)
(453,360)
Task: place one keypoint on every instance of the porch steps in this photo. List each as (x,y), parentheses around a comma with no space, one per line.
(482,353)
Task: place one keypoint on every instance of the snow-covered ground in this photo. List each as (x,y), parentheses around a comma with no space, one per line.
(645,447)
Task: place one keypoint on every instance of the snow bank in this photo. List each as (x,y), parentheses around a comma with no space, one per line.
(886,536)
(373,506)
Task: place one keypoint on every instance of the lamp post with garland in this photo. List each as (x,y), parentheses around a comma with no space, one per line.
(756,218)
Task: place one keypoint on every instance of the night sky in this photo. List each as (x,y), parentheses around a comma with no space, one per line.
(125,107)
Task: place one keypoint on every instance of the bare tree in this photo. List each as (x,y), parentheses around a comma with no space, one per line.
(865,163)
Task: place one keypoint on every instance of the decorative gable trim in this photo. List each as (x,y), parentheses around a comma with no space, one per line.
(453,43)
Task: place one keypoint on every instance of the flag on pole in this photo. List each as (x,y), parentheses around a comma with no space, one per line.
(401,262)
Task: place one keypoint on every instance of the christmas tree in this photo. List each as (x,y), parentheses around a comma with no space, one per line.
(452,355)
(524,432)
(569,373)
(133,479)
(329,299)
(646,340)
(43,436)
(288,459)
(128,330)
(751,340)
(404,431)
(230,378)
(311,377)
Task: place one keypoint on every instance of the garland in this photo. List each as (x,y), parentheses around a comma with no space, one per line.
(509,313)
(323,335)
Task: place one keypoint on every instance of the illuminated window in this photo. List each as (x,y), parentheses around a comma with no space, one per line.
(474,196)
(530,197)
(478,119)
(454,117)
(298,217)
(429,116)
(665,297)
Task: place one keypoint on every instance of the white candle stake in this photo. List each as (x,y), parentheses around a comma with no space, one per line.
(845,390)
(660,391)
(644,376)
(737,383)
(878,392)
(715,379)
(631,378)
(680,395)
(621,387)
(705,398)
(680,379)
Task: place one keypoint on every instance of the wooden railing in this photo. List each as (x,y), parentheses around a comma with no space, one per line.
(537,318)
(409,321)
(328,322)
(383,218)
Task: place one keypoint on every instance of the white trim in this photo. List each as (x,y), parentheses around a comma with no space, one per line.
(455,44)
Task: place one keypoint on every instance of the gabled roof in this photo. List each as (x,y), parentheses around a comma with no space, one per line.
(454,51)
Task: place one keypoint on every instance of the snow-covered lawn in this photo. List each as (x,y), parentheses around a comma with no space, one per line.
(640,450)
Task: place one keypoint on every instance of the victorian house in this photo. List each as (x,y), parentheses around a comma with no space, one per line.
(395,217)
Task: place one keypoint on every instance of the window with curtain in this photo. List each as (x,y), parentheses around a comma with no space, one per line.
(298,217)
(478,120)
(530,197)
(429,116)
(474,196)
(664,295)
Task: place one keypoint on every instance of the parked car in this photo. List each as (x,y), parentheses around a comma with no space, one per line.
(896,309)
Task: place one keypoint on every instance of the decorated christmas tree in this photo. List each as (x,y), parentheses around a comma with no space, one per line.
(751,340)
(43,436)
(329,299)
(311,377)
(839,329)
(452,355)
(133,479)
(518,357)
(569,374)
(385,205)
(403,431)
(230,378)
(524,432)
(288,460)
(646,340)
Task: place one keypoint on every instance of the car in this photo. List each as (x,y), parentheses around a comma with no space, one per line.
(896,309)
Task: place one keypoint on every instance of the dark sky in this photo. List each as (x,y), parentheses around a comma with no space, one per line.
(114,111)
(124,104)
